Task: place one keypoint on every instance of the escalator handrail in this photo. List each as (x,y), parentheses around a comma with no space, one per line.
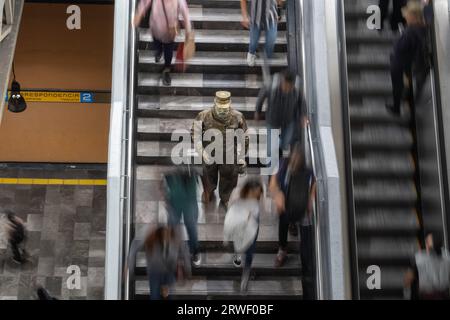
(342,36)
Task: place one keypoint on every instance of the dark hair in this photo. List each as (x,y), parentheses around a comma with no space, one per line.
(437,243)
(10,215)
(249,185)
(157,236)
(289,76)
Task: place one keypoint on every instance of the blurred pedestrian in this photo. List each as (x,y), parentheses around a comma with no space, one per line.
(286,109)
(292,190)
(241,226)
(181,201)
(410,53)
(167,261)
(43,294)
(396,17)
(16,237)
(264,16)
(429,275)
(164,27)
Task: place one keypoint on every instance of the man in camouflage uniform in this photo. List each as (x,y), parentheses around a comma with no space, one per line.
(221,117)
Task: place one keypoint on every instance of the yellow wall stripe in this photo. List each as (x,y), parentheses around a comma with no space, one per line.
(72,182)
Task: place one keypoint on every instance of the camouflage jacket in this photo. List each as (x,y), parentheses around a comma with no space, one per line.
(208,120)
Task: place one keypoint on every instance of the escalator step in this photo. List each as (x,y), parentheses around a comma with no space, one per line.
(385,193)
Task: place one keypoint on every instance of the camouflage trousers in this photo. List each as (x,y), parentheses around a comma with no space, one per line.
(224,174)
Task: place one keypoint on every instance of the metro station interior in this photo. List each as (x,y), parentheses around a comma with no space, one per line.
(100,167)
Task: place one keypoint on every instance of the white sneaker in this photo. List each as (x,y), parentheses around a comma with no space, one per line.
(196,260)
(251,59)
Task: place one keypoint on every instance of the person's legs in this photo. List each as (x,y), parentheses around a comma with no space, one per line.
(168,54)
(283,228)
(255,34)
(15,248)
(174,216)
(155,286)
(271,38)
(384,11)
(228,181)
(306,249)
(210,175)
(158,47)
(397,88)
(190,221)
(250,252)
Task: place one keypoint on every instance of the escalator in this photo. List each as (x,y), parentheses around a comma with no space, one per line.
(219,64)
(383,164)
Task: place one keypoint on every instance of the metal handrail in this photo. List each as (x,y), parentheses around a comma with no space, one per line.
(341,36)
(316,223)
(7,9)
(130,148)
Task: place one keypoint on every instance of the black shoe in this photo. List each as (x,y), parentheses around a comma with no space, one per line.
(293,230)
(158,56)
(223,205)
(393,110)
(167,81)
(237,261)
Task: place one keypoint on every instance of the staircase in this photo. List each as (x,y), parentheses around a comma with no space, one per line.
(383,165)
(219,64)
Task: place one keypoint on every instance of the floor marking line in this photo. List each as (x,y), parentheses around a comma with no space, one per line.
(43,181)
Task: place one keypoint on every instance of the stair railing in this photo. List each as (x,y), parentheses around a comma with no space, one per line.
(119,221)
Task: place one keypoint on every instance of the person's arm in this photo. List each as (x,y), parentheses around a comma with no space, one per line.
(245,19)
(262,96)
(277,194)
(186,18)
(243,126)
(144,5)
(312,197)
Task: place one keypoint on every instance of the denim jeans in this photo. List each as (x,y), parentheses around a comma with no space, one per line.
(190,216)
(157,281)
(271,37)
(285,140)
(250,252)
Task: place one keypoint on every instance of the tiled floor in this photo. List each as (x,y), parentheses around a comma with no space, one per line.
(66,226)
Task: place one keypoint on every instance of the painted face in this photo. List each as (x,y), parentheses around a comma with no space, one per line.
(222,112)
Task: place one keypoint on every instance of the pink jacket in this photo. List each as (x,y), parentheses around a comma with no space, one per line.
(158,23)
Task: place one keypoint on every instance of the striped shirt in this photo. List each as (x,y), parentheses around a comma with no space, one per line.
(159,24)
(263,13)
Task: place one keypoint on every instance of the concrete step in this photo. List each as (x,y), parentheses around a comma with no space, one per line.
(220,18)
(215,62)
(286,288)
(163,129)
(221,264)
(199,84)
(220,40)
(182,107)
